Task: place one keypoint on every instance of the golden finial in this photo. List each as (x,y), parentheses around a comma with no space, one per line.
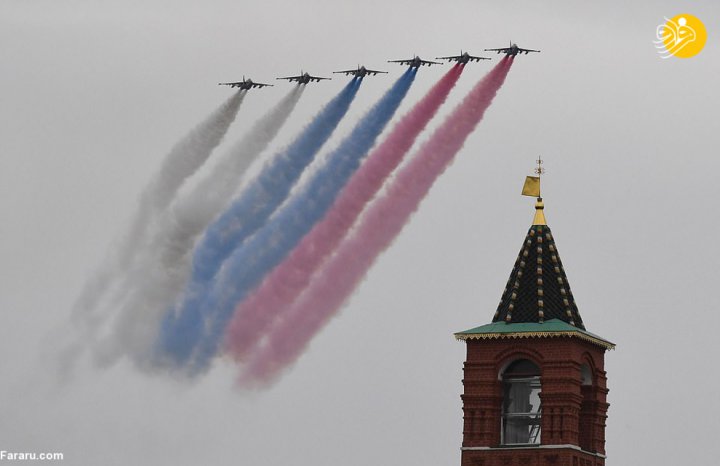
(532,188)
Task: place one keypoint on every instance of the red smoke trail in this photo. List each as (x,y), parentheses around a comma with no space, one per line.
(382,222)
(288,280)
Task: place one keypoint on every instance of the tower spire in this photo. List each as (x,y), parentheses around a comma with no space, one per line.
(532,188)
(538,289)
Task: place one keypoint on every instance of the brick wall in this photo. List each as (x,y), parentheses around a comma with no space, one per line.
(573,413)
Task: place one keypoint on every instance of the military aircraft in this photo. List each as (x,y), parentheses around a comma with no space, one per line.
(463,58)
(360,72)
(512,50)
(415,62)
(245,84)
(303,78)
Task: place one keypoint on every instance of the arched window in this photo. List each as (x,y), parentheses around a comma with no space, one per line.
(521,403)
(586,433)
(586,374)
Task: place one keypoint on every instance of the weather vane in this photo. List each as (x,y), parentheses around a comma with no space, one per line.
(532,188)
(532,183)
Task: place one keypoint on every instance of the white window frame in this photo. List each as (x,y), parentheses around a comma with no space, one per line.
(536,416)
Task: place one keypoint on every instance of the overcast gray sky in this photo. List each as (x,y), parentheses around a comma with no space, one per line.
(94,94)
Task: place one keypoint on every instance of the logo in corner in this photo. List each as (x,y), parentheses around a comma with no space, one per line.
(683,36)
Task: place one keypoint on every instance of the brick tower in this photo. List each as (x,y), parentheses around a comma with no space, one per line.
(534,384)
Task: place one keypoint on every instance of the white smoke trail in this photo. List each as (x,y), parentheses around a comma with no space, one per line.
(89,312)
(184,159)
(162,267)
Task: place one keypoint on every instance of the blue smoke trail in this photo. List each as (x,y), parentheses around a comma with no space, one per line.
(271,187)
(248,264)
(248,213)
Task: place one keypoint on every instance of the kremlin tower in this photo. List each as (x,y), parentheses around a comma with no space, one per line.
(535,386)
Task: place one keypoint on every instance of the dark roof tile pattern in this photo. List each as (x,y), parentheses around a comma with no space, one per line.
(538,289)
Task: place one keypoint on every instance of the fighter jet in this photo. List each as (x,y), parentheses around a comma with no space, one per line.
(512,50)
(463,58)
(360,72)
(415,62)
(303,78)
(245,84)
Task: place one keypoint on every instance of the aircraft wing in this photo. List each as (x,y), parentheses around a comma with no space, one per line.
(292,78)
(414,62)
(261,85)
(452,58)
(459,58)
(346,72)
(500,50)
(477,59)
(526,51)
(237,84)
(316,78)
(374,72)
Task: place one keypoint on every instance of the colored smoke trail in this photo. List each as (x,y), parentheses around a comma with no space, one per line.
(180,329)
(215,191)
(163,263)
(287,281)
(382,222)
(268,191)
(249,264)
(183,160)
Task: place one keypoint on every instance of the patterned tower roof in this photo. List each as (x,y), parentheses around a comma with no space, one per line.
(538,289)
